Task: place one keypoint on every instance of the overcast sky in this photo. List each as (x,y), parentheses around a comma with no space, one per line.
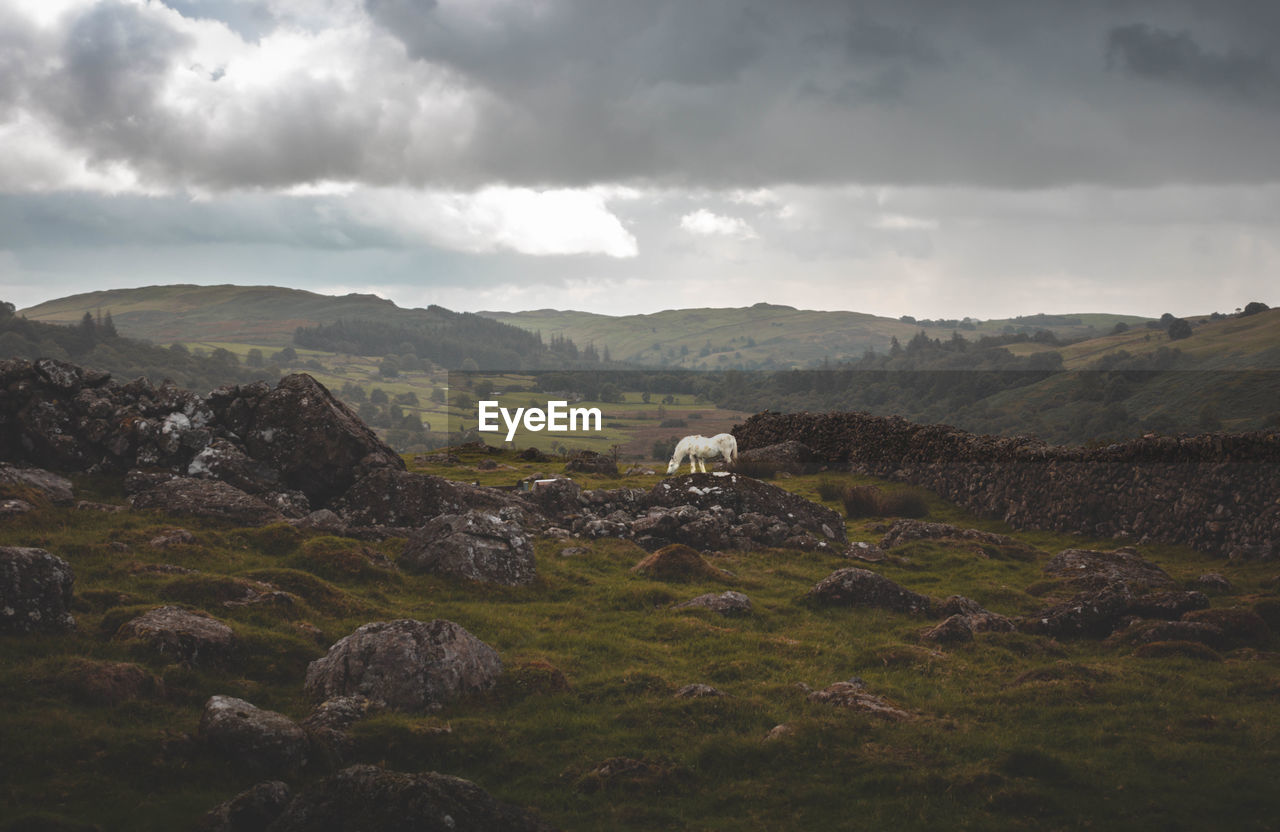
(940,159)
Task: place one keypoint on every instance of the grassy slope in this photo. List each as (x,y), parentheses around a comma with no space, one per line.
(1017,732)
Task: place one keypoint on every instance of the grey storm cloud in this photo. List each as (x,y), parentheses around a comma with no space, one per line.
(717,93)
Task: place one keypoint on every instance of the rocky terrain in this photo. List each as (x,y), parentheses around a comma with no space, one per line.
(242,611)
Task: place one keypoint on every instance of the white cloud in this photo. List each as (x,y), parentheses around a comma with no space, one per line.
(523,220)
(705,222)
(900,222)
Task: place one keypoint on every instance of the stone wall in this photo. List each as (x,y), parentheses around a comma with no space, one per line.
(1219,493)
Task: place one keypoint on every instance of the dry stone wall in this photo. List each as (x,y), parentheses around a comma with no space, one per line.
(1219,493)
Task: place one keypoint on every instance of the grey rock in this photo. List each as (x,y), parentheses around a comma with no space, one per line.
(725,603)
(35,591)
(475,545)
(57,489)
(260,740)
(180,635)
(852,586)
(253,810)
(191,497)
(405,664)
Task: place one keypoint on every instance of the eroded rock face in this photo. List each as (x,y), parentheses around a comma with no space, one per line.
(405,664)
(475,545)
(249,736)
(191,497)
(180,635)
(316,443)
(365,797)
(35,591)
(854,587)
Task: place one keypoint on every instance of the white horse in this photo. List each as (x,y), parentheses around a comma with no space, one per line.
(700,448)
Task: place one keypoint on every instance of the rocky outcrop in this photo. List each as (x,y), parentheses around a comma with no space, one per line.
(705,511)
(475,545)
(262,741)
(1215,492)
(905,530)
(789,455)
(191,497)
(1096,613)
(405,664)
(35,591)
(404,500)
(854,587)
(365,797)
(180,635)
(316,443)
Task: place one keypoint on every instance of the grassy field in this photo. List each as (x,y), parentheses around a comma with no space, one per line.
(1012,731)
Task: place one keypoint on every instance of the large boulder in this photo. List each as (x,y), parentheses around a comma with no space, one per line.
(365,798)
(263,741)
(35,591)
(192,497)
(318,445)
(725,603)
(475,545)
(180,635)
(854,587)
(405,664)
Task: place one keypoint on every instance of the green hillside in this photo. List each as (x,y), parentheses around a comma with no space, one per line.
(259,314)
(768,336)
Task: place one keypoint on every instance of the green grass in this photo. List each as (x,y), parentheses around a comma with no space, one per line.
(1015,731)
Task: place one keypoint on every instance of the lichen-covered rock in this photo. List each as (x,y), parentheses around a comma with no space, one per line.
(329,722)
(905,530)
(475,545)
(590,462)
(699,691)
(180,635)
(223,460)
(259,740)
(191,497)
(35,591)
(725,603)
(747,497)
(854,587)
(52,487)
(252,810)
(405,664)
(365,798)
(1088,569)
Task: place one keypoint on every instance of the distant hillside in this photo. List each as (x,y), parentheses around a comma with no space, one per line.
(768,336)
(272,316)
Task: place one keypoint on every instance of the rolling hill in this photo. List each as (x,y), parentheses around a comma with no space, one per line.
(770,336)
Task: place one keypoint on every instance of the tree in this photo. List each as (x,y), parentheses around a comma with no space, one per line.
(389,368)
(469,365)
(109,327)
(6,309)
(1119,328)
(378,396)
(1253,308)
(288,355)
(255,358)
(1179,329)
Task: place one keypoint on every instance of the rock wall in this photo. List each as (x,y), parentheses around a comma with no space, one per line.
(1219,493)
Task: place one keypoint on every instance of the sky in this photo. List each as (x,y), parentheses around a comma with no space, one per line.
(982,158)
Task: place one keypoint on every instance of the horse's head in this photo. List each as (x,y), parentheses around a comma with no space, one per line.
(673,467)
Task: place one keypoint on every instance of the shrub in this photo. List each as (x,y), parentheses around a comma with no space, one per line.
(861,501)
(673,423)
(1179,329)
